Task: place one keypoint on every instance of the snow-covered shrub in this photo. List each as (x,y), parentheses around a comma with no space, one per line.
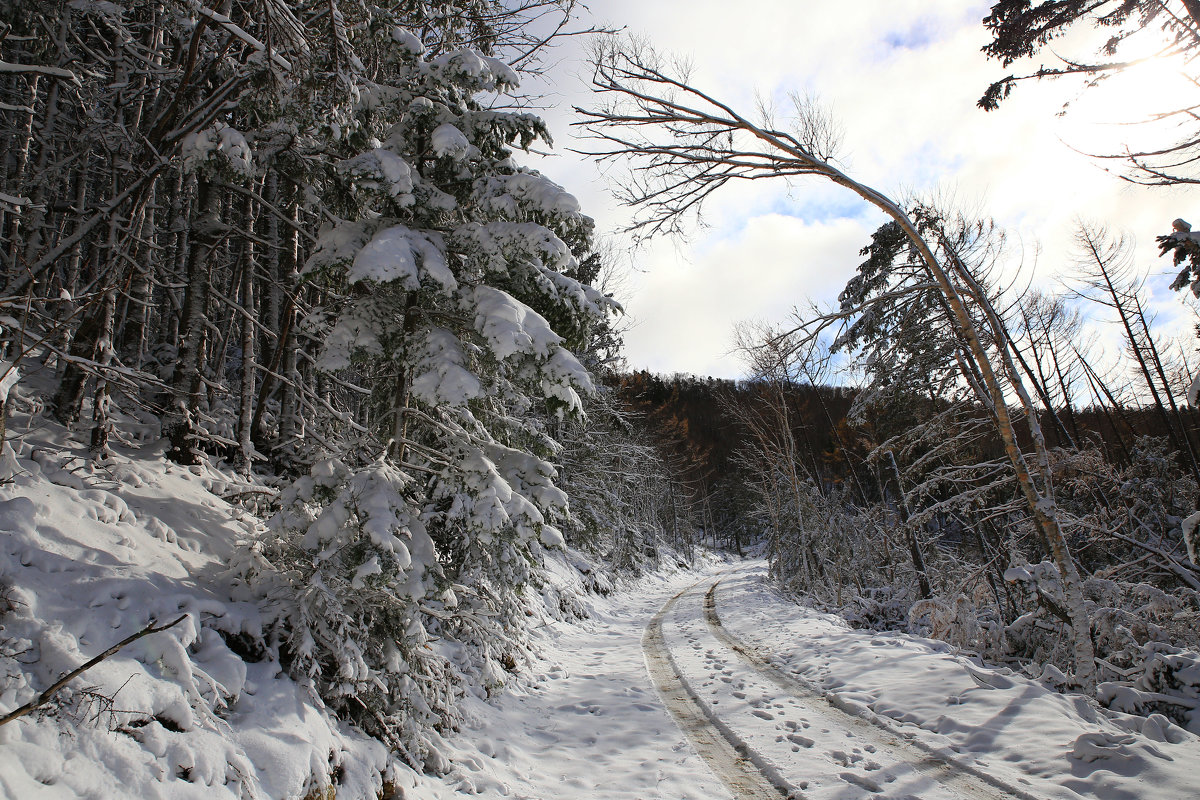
(835,555)
(1167,683)
(1170,678)
(1127,616)
(1147,640)
(1040,634)
(877,608)
(1143,637)
(345,567)
(1145,500)
(353,571)
(1117,517)
(960,621)
(491,517)
(218,148)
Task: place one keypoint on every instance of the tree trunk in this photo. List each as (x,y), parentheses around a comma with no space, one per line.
(914,547)
(101,421)
(400,399)
(179,425)
(68,398)
(1138,348)
(1193,10)
(18,173)
(246,407)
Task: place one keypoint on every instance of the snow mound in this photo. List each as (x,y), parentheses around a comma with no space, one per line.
(91,554)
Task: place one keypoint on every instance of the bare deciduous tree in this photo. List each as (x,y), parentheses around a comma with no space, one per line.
(686,144)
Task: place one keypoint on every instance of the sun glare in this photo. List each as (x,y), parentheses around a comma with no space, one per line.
(1139,107)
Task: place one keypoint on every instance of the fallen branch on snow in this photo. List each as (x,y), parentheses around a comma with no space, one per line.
(48,695)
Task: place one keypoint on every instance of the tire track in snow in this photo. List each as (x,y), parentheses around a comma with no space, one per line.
(965,779)
(742,771)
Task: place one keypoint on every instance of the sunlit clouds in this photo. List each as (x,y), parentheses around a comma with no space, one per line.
(903,79)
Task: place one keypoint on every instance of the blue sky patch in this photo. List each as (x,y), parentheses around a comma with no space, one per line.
(917,36)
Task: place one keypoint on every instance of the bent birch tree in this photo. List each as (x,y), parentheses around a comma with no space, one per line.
(685,145)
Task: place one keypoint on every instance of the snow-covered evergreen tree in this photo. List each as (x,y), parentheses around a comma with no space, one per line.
(452,294)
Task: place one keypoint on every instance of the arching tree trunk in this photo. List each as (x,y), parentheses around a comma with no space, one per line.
(670,117)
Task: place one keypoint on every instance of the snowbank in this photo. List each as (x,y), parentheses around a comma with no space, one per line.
(91,554)
(1018,729)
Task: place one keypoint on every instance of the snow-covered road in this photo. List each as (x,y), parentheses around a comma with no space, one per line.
(800,743)
(713,686)
(588,725)
(744,772)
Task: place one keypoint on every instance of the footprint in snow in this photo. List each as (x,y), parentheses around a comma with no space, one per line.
(988,680)
(858,780)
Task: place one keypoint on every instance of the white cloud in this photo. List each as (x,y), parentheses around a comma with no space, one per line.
(903,77)
(684,311)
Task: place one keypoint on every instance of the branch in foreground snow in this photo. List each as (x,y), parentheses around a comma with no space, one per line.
(48,695)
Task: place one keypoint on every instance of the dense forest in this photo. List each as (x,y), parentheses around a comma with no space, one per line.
(295,244)
(296,240)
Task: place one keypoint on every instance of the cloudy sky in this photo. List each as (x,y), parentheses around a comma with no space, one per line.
(902,77)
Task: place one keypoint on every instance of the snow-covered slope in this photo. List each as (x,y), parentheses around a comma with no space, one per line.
(90,555)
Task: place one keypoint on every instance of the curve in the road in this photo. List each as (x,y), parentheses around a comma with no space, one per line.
(963,778)
(746,775)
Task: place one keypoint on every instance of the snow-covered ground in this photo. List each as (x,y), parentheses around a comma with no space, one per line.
(588,723)
(867,714)
(89,555)
(92,554)
(1014,731)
